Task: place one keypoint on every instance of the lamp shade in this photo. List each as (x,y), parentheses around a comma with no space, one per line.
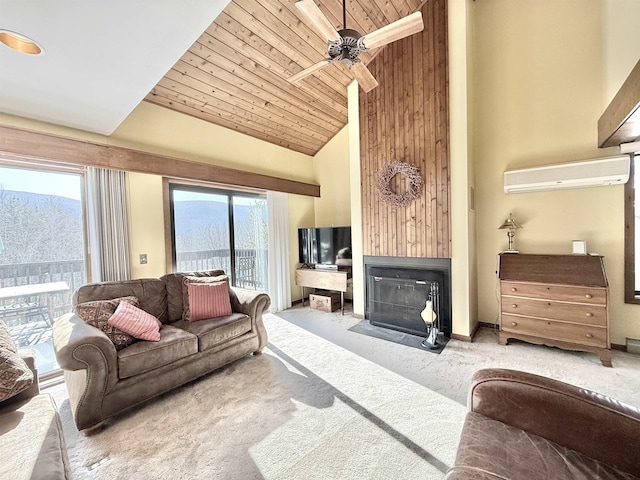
(510,223)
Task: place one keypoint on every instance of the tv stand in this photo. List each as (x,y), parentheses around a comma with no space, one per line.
(335,280)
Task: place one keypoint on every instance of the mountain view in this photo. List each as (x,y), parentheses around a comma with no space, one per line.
(203,225)
(37,228)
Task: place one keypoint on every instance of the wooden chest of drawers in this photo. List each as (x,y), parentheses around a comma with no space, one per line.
(555,300)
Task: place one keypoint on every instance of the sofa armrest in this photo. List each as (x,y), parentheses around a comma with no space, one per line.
(587,422)
(79,346)
(29,357)
(90,362)
(253,304)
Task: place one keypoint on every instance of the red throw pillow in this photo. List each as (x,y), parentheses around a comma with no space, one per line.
(136,322)
(208,300)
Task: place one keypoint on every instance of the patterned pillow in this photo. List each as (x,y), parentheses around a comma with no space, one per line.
(97,314)
(15,374)
(208,300)
(186,309)
(136,322)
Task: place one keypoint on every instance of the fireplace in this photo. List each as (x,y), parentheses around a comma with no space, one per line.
(397,289)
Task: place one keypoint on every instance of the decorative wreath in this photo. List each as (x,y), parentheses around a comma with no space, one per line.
(389,171)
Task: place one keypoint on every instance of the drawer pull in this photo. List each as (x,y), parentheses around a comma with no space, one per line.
(514,305)
(588,295)
(514,289)
(589,335)
(514,324)
(589,314)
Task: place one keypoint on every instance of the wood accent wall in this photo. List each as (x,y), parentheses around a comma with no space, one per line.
(407,118)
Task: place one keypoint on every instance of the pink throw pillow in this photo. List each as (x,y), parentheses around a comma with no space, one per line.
(136,322)
(186,311)
(208,300)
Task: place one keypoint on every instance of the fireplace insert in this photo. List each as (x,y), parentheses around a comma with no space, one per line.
(397,291)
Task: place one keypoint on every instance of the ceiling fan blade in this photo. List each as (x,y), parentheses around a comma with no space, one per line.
(394,31)
(365,79)
(317,20)
(308,71)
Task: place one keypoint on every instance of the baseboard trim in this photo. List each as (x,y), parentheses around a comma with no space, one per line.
(619,348)
(469,338)
(487,324)
(462,338)
(359,316)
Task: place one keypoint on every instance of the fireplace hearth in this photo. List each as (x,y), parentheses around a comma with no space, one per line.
(397,289)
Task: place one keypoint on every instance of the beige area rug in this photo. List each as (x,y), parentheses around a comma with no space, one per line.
(305,409)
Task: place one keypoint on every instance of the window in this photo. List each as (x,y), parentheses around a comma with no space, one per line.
(632,239)
(42,257)
(220,229)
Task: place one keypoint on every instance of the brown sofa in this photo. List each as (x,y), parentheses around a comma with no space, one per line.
(523,426)
(103,382)
(31,440)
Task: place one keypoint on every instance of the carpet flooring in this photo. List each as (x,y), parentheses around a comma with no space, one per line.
(322,402)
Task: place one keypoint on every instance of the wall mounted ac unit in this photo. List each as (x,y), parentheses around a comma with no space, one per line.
(589,173)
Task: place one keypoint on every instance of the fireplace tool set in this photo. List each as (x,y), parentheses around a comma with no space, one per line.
(431,316)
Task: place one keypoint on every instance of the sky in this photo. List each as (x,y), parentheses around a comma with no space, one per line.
(28,180)
(69,185)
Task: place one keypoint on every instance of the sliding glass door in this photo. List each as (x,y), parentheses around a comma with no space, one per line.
(251,239)
(220,229)
(42,257)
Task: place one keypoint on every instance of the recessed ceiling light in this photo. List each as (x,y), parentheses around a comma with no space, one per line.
(20,43)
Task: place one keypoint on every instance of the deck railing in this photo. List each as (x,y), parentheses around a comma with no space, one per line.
(72,272)
(251,265)
(251,272)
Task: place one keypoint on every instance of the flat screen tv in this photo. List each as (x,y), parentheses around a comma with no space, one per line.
(325,245)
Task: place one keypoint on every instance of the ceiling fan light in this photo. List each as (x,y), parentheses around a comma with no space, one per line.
(350,33)
(347,48)
(20,43)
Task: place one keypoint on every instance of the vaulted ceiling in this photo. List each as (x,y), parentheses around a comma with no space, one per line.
(235,74)
(107,57)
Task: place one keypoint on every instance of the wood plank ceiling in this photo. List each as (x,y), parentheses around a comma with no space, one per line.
(235,74)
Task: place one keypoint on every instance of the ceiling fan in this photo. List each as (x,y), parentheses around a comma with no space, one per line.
(346,45)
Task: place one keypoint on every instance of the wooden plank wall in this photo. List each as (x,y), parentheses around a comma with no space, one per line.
(406,118)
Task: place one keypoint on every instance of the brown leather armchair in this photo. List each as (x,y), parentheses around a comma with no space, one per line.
(524,426)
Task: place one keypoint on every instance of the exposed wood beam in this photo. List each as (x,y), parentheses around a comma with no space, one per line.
(620,122)
(17,142)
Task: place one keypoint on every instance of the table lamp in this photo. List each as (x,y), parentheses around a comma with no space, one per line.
(511,224)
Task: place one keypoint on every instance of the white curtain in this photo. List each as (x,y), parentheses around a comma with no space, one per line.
(279,275)
(108,230)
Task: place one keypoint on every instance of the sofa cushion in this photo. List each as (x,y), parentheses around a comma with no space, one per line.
(492,449)
(173,285)
(150,292)
(97,314)
(215,331)
(142,357)
(186,300)
(15,374)
(207,300)
(136,322)
(32,442)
